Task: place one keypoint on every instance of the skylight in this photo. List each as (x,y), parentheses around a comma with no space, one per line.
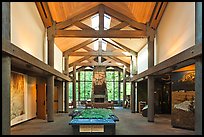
(95,22)
(104,45)
(95,25)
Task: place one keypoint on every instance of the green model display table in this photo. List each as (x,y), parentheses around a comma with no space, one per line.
(95,121)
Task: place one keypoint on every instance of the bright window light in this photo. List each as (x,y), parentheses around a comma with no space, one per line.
(96,45)
(95,25)
(95,22)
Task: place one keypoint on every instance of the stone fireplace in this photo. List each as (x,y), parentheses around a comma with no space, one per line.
(99,89)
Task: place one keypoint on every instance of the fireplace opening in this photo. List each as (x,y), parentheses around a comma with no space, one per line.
(101,100)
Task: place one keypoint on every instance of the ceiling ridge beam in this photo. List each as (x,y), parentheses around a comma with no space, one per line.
(81,45)
(121,17)
(79,17)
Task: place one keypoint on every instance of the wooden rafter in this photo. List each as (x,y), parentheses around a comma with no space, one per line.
(45,13)
(79,17)
(119,16)
(81,45)
(119,26)
(79,60)
(120,61)
(111,57)
(88,32)
(82,26)
(157,14)
(121,46)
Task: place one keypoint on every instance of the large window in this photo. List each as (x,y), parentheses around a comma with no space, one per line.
(85,84)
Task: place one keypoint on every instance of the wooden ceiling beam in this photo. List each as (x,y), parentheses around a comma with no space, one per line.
(103,34)
(119,26)
(97,64)
(116,54)
(119,16)
(120,61)
(157,14)
(45,13)
(82,26)
(121,46)
(81,45)
(79,60)
(79,17)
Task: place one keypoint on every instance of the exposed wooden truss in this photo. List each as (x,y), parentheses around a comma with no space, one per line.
(96,53)
(88,32)
(140,30)
(81,45)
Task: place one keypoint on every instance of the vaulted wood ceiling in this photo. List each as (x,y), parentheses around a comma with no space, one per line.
(141,12)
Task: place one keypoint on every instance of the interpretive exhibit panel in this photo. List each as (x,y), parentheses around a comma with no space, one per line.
(183,99)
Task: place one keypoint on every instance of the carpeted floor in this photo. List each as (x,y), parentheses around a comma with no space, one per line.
(128,124)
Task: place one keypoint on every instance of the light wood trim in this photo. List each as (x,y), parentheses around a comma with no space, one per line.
(79,17)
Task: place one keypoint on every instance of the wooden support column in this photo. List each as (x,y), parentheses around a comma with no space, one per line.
(136,98)
(78,85)
(124,85)
(6,76)
(132,106)
(60,96)
(198,70)
(6,70)
(119,87)
(74,87)
(50,79)
(50,98)
(150,88)
(66,84)
(150,113)
(50,36)
(133,64)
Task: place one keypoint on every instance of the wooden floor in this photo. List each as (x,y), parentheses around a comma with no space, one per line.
(128,124)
